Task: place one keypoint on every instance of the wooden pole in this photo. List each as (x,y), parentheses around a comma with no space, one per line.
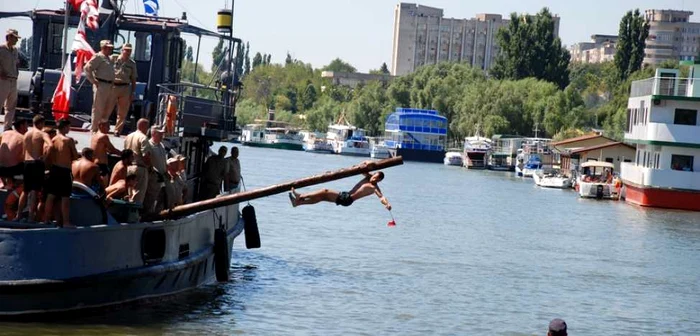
(188,209)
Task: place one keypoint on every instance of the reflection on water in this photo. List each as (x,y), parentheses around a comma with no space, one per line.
(473,253)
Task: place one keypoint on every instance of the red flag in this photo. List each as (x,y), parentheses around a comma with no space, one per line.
(83,50)
(61,97)
(76,3)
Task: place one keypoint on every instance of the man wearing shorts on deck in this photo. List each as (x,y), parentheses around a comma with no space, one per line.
(12,151)
(366,187)
(60,182)
(102,146)
(36,145)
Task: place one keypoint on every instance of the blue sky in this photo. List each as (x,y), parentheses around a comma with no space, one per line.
(360,31)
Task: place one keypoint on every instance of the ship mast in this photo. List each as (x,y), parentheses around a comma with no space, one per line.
(65,34)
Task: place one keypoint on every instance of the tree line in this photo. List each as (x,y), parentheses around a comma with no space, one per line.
(532,85)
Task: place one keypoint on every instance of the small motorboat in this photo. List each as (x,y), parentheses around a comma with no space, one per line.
(552,179)
(453,159)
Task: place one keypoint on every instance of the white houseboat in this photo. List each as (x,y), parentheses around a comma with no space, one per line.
(662,119)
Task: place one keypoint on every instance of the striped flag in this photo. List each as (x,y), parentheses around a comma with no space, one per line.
(151,7)
(61,97)
(83,50)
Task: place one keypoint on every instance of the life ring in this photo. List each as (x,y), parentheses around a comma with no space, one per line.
(12,203)
(171,115)
(221,253)
(96,197)
(82,187)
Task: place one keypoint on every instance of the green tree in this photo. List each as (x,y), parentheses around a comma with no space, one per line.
(384,69)
(309,96)
(257,60)
(324,112)
(369,108)
(246,66)
(289,59)
(634,30)
(217,55)
(529,48)
(338,65)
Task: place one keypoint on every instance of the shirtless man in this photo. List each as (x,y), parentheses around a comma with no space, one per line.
(12,151)
(366,187)
(36,144)
(120,189)
(119,171)
(60,182)
(86,170)
(102,146)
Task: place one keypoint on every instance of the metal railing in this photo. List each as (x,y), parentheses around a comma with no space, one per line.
(195,108)
(665,86)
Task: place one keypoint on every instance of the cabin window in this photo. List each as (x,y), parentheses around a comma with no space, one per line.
(610,160)
(627,160)
(682,162)
(140,41)
(685,117)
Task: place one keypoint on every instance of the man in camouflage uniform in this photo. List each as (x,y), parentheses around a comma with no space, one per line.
(100,72)
(124,86)
(9,60)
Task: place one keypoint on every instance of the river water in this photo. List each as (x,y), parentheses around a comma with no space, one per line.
(472,253)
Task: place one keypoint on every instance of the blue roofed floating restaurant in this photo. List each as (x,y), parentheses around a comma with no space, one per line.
(416,134)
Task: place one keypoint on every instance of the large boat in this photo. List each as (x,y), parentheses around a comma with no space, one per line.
(504,152)
(113,256)
(662,120)
(475,150)
(417,135)
(596,180)
(348,140)
(272,134)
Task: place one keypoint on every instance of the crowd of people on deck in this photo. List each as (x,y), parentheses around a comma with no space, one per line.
(38,164)
(39,168)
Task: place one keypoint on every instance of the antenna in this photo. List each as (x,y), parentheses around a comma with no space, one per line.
(537,129)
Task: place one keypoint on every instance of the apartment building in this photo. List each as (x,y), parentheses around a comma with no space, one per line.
(422,35)
(600,49)
(671,36)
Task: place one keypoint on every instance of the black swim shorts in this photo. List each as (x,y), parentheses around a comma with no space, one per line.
(11,172)
(60,182)
(104,169)
(34,175)
(344,199)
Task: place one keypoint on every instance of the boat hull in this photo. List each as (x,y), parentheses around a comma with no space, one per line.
(597,190)
(279,145)
(662,198)
(421,155)
(96,267)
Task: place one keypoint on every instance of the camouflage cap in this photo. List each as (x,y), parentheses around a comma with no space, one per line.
(106,43)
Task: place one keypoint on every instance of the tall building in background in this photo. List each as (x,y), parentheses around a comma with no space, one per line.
(671,36)
(423,36)
(600,49)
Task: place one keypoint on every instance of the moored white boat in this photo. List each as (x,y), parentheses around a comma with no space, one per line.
(453,159)
(348,140)
(596,180)
(380,151)
(551,179)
